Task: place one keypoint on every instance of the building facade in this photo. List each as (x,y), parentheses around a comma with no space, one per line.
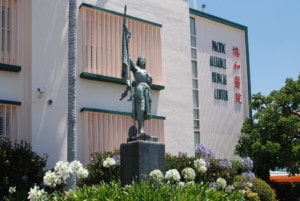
(196,76)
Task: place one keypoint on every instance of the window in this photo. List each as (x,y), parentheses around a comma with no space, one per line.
(8,34)
(8,122)
(195,80)
(197,137)
(106,130)
(100,39)
(192,26)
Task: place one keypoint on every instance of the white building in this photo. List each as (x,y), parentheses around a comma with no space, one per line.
(200,92)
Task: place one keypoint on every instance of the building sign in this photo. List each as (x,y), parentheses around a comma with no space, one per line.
(218,62)
(220,78)
(235,52)
(218,47)
(237,81)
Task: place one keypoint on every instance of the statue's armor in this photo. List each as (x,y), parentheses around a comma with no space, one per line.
(142,95)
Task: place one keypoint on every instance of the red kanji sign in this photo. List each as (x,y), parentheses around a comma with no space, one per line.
(236,66)
(238,98)
(235,52)
(237,82)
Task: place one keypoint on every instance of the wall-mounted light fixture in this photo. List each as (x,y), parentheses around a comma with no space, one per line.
(41,90)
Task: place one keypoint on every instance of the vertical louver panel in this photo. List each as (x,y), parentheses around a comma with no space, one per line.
(9,31)
(8,122)
(107,131)
(101,41)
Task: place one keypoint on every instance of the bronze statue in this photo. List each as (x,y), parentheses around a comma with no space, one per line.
(142,97)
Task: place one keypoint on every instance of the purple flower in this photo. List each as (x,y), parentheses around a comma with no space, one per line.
(248,163)
(249,175)
(203,152)
(213,185)
(225,164)
(117,158)
(25,178)
(42,185)
(207,163)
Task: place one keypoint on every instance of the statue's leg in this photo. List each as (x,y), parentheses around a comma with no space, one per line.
(140,119)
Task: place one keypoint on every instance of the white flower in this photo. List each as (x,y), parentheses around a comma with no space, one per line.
(200,165)
(82,173)
(221,182)
(190,183)
(108,162)
(63,170)
(157,175)
(188,174)
(75,166)
(229,188)
(36,194)
(181,184)
(249,184)
(51,179)
(12,189)
(203,169)
(242,191)
(172,175)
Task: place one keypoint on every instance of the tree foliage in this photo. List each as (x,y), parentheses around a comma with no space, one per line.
(272,136)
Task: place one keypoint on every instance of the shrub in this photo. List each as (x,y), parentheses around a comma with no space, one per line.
(146,191)
(215,167)
(250,195)
(263,190)
(178,162)
(102,172)
(20,168)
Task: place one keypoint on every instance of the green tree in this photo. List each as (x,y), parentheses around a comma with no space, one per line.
(272,136)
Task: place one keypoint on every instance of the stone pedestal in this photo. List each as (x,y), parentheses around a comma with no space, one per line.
(139,158)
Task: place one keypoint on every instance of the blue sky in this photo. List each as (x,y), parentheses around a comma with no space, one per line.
(273,35)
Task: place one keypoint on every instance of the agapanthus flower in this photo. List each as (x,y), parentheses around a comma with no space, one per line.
(203,169)
(225,164)
(173,175)
(52,179)
(221,183)
(25,178)
(108,162)
(202,151)
(200,165)
(156,175)
(249,175)
(12,189)
(63,170)
(36,194)
(82,173)
(117,158)
(247,162)
(75,166)
(229,188)
(188,174)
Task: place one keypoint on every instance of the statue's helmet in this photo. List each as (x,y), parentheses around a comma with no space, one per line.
(141,62)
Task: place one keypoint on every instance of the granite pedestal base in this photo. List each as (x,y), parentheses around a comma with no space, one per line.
(139,158)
